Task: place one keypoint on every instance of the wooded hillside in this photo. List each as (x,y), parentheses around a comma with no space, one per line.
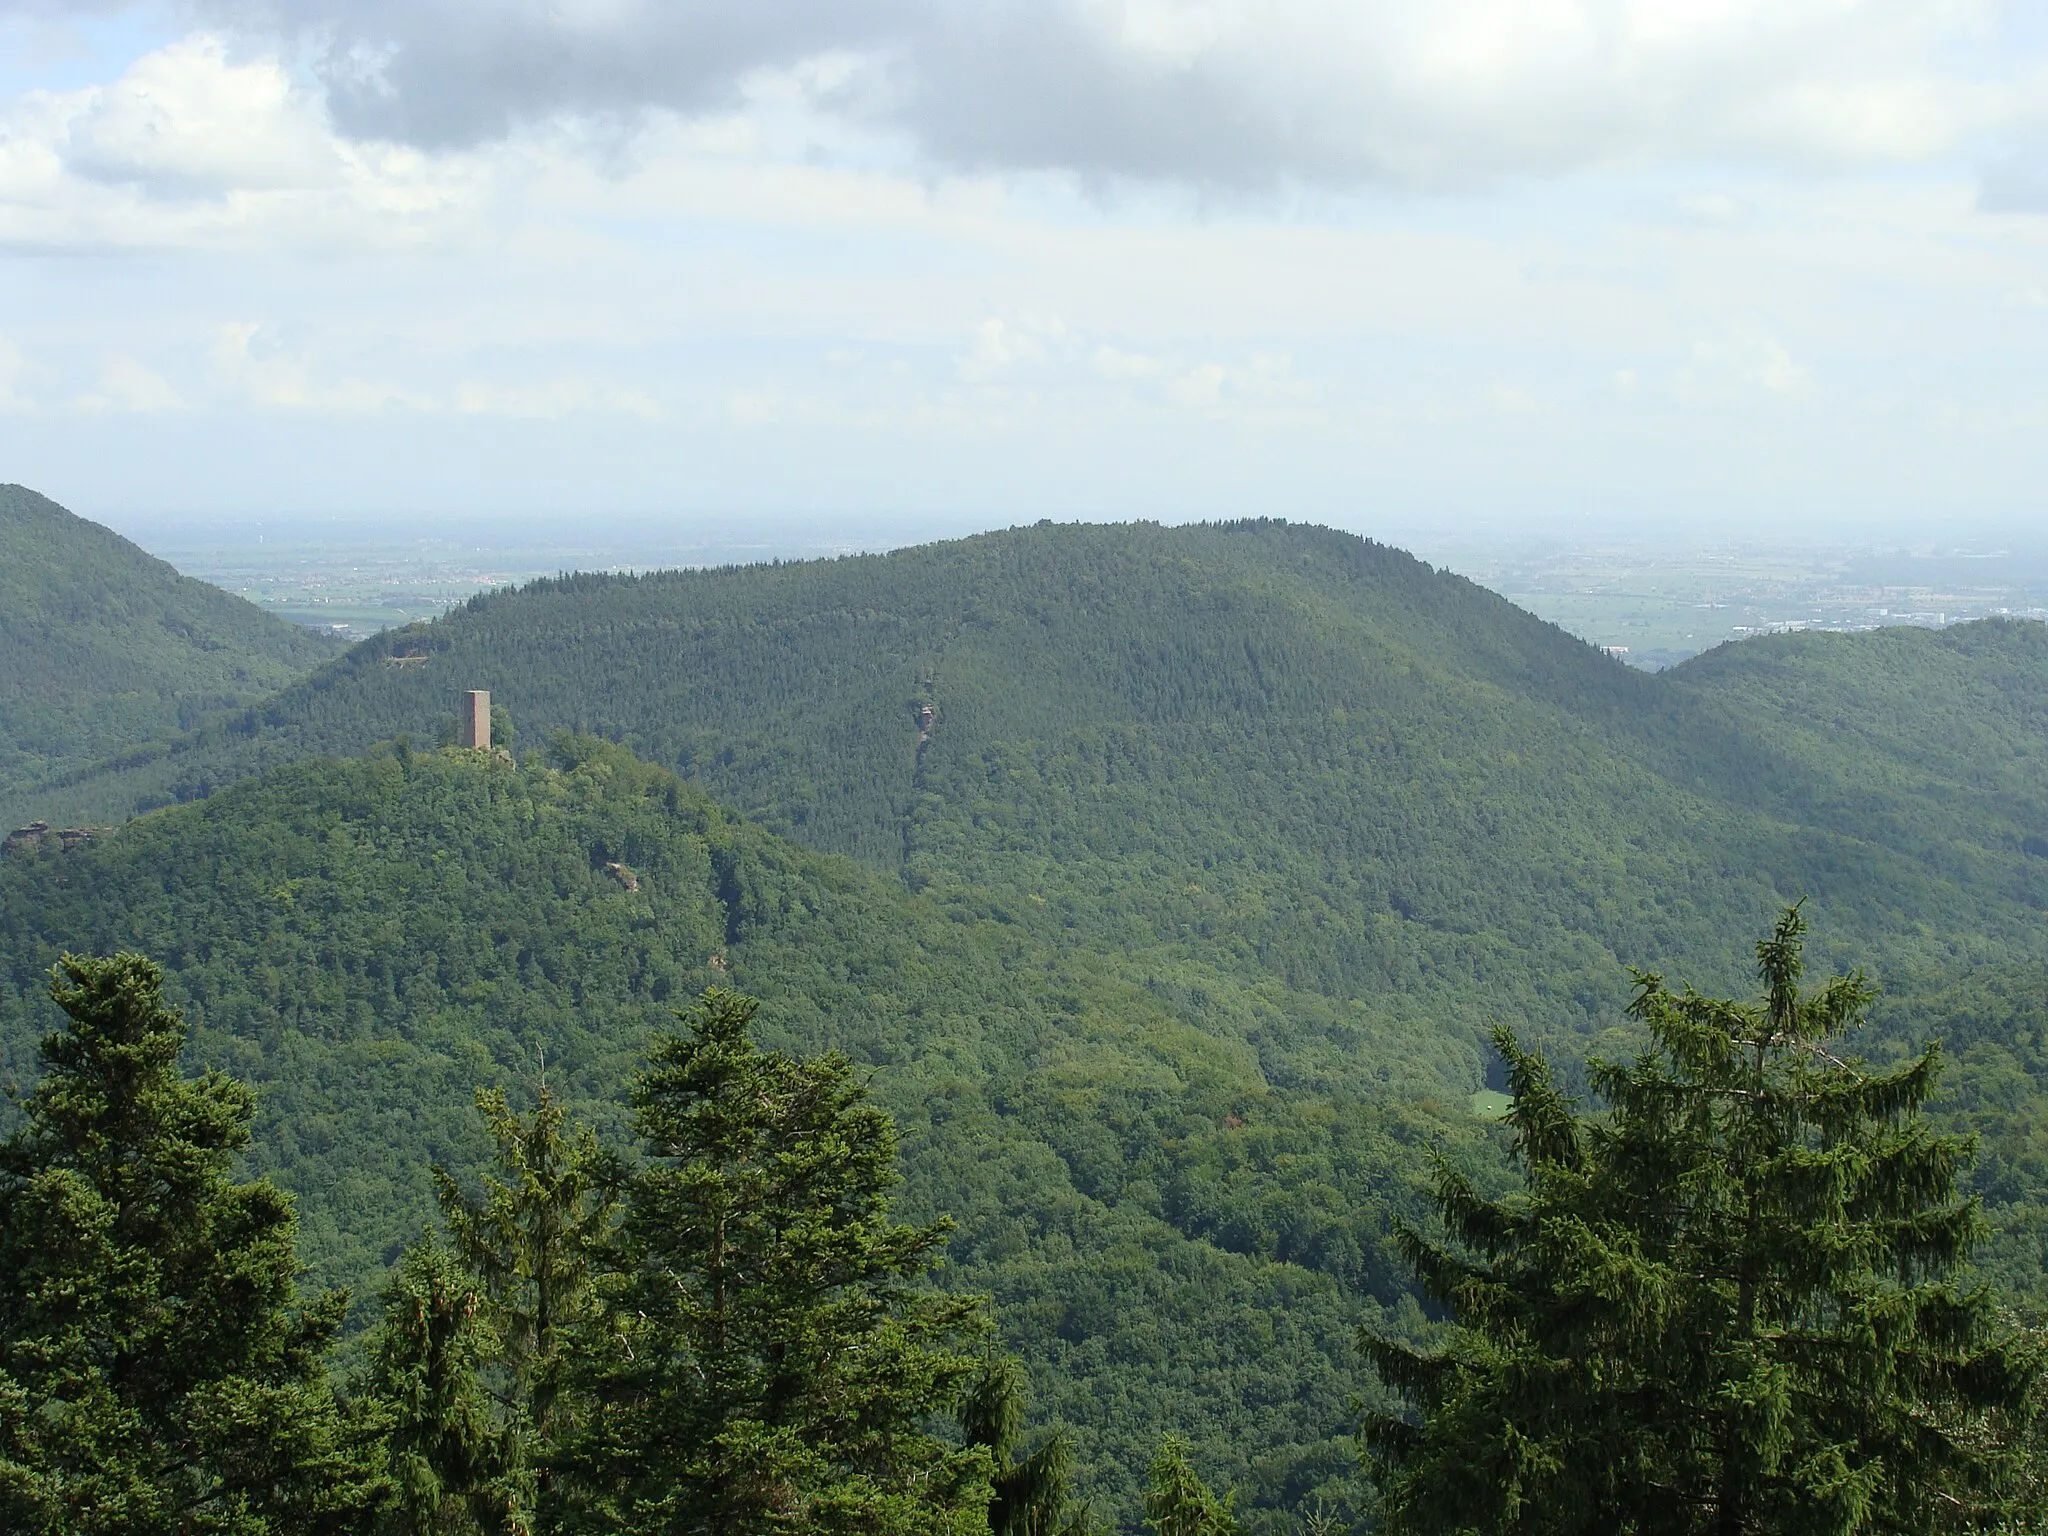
(1170,879)
(103,646)
(1176,1187)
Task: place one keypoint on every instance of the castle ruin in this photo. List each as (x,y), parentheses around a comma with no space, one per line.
(473,723)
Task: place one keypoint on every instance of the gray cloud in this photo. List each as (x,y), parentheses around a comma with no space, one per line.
(1203,90)
(453,73)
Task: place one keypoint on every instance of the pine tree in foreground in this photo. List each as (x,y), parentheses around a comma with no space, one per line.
(157,1372)
(1033,1494)
(535,1240)
(454,1469)
(471,1360)
(772,1363)
(1179,1503)
(1733,1305)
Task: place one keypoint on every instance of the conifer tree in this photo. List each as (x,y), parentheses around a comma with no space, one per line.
(1033,1495)
(157,1371)
(1179,1503)
(470,1362)
(535,1241)
(454,1469)
(773,1364)
(1735,1304)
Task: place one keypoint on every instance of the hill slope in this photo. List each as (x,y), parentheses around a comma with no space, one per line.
(1181,1229)
(1284,751)
(103,646)
(1181,869)
(1920,737)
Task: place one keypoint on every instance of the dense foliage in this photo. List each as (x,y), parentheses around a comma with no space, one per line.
(455,1466)
(536,1242)
(1182,872)
(1281,752)
(773,1362)
(732,1336)
(103,647)
(157,1370)
(1734,1304)
(1179,1503)
(1993,1028)
(1031,1492)
(473,1357)
(1171,1240)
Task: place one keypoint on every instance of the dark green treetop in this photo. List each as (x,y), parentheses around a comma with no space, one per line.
(773,1363)
(1179,1503)
(1732,1305)
(535,1240)
(454,1469)
(1033,1493)
(469,1364)
(157,1372)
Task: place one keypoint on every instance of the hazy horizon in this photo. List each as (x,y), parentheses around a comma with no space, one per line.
(1650,598)
(825,533)
(1713,269)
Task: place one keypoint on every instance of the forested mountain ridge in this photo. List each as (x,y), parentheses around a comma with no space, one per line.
(103,646)
(1179,1233)
(1169,876)
(1909,733)
(821,658)
(1287,750)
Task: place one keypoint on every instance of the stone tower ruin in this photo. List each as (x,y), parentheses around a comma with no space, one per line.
(473,724)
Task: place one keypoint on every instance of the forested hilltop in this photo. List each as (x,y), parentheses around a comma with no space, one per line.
(1294,752)
(1738,1299)
(1171,879)
(103,646)
(1178,1188)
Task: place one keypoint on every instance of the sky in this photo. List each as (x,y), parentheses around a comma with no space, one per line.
(1677,266)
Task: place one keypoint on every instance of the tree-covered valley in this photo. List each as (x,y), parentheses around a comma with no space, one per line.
(103,647)
(1168,881)
(1173,1240)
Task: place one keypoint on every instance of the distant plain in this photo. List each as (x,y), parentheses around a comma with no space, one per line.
(1656,601)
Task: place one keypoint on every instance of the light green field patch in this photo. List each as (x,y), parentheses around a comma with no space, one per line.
(1491,1104)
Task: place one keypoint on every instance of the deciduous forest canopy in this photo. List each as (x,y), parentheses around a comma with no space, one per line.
(103,647)
(1168,881)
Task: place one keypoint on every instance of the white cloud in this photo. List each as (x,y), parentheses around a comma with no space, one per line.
(126,384)
(268,376)
(187,116)
(782,288)
(272,379)
(1047,355)
(1012,349)
(1114,363)
(211,140)
(1739,368)
(553,399)
(193,146)
(1200,388)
